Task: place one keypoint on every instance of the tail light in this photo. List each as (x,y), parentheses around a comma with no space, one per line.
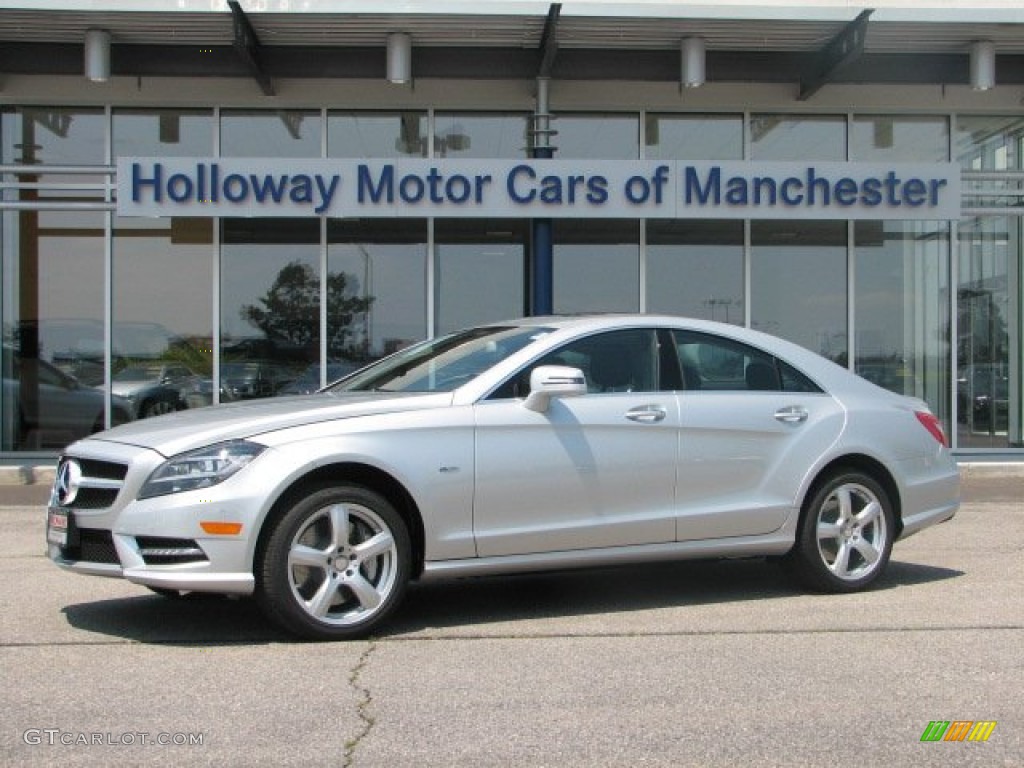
(933,425)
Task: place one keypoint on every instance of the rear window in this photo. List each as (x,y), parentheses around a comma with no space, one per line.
(715,364)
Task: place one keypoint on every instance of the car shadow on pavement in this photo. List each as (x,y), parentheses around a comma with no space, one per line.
(615,590)
(898,574)
(213,620)
(194,619)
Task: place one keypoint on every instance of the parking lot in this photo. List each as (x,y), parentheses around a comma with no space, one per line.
(702,664)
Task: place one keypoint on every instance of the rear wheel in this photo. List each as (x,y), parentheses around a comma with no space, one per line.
(335,565)
(845,537)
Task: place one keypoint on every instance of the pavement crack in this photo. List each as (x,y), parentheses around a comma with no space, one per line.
(363,705)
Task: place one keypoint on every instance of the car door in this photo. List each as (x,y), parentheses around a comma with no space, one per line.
(751,426)
(597,470)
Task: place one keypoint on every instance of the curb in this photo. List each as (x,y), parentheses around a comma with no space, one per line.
(26,474)
(983,469)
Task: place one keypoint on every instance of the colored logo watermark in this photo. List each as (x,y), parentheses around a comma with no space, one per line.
(958,730)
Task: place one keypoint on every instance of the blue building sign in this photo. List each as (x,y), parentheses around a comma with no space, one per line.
(535,188)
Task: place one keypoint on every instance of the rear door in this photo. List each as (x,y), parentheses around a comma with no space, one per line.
(751,427)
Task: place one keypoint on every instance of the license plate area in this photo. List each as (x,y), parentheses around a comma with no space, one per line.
(60,527)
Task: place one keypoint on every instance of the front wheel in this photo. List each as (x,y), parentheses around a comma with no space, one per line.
(845,536)
(335,564)
(156,408)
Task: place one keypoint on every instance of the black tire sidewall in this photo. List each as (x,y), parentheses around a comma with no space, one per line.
(273,588)
(805,560)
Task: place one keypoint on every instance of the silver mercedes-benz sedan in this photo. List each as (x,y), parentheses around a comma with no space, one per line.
(533,444)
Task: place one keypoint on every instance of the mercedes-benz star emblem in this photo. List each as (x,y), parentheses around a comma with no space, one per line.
(69,477)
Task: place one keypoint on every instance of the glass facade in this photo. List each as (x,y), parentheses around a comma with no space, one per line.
(901,308)
(480,271)
(376,303)
(107,319)
(161,278)
(53,281)
(798,284)
(695,268)
(990,273)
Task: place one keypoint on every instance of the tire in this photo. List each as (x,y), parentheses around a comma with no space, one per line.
(156,408)
(845,535)
(335,565)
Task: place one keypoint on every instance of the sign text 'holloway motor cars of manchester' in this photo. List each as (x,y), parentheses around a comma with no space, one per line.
(546,188)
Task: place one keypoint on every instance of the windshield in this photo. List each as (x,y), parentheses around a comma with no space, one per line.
(442,364)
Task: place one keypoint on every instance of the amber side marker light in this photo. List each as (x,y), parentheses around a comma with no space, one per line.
(221,529)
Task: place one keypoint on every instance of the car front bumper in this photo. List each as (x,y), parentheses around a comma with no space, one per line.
(200,576)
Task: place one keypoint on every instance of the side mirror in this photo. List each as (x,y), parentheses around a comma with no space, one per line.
(548,381)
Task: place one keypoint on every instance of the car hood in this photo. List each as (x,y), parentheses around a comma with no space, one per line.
(187,430)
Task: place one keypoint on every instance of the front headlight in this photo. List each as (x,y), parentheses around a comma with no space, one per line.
(200,469)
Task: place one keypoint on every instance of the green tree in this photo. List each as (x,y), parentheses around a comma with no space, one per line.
(290,311)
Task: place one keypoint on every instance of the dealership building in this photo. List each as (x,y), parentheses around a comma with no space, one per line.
(208,201)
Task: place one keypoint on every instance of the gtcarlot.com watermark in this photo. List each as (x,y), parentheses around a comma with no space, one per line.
(57,737)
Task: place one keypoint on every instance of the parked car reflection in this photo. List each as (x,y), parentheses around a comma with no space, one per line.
(253,378)
(309,380)
(49,408)
(199,393)
(153,388)
(76,345)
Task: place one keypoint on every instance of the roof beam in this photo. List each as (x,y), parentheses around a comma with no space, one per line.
(549,41)
(247,45)
(841,50)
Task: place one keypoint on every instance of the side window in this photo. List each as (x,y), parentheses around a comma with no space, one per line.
(714,364)
(794,381)
(616,361)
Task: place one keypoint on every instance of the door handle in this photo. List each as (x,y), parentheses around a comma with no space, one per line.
(793,414)
(647,414)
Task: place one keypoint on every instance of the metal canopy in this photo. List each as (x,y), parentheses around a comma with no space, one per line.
(841,51)
(549,41)
(760,47)
(247,45)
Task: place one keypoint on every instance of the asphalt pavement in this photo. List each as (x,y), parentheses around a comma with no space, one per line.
(679,664)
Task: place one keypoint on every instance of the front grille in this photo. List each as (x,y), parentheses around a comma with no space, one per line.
(94,546)
(164,551)
(99,485)
(94,498)
(106,470)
